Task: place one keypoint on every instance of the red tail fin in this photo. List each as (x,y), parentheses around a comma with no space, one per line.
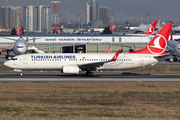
(61,31)
(151,28)
(159,42)
(113,27)
(19,31)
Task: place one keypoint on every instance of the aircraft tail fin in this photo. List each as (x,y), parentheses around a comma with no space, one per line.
(158,43)
(113,27)
(61,31)
(19,31)
(151,28)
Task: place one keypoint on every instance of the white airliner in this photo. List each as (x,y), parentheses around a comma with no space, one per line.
(73,63)
(175,47)
(143,28)
(150,29)
(19,46)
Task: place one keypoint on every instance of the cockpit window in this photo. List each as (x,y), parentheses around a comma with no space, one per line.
(19,46)
(178,48)
(14,58)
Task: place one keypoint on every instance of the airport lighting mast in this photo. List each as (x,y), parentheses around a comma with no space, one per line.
(55,14)
(78,19)
(6,3)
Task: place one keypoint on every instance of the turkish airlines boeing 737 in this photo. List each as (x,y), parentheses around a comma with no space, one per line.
(74,63)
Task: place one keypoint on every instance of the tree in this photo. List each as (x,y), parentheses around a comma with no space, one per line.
(13,31)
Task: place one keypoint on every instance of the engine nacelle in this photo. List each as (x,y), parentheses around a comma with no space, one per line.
(70,69)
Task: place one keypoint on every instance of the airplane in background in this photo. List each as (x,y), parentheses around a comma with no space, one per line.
(174,46)
(113,27)
(142,28)
(150,29)
(100,30)
(20,46)
(73,63)
(175,29)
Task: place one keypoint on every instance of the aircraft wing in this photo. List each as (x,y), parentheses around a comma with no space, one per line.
(5,48)
(11,39)
(94,65)
(91,65)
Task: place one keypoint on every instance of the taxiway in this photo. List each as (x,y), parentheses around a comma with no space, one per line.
(28,77)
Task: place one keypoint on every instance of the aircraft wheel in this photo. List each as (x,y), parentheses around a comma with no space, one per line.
(175,59)
(89,74)
(21,74)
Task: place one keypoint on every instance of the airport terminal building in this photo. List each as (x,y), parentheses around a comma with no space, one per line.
(86,43)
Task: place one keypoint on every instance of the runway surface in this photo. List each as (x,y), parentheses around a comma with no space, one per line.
(95,78)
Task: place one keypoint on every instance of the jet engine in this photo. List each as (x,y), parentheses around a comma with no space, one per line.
(70,69)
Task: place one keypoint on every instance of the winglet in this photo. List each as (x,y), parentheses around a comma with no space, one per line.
(108,50)
(115,56)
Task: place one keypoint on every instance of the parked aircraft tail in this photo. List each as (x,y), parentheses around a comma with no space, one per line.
(113,27)
(19,31)
(151,28)
(61,31)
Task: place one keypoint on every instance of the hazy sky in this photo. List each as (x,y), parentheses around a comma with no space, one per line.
(128,6)
(169,8)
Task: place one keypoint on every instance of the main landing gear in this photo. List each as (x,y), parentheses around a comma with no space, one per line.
(88,73)
(8,56)
(175,59)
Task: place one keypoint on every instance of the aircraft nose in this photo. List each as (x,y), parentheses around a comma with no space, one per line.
(7,63)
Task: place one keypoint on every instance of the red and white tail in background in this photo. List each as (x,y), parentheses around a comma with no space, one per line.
(19,31)
(159,42)
(61,31)
(151,28)
(113,27)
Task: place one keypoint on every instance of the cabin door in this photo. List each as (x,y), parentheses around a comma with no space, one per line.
(25,60)
(142,60)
